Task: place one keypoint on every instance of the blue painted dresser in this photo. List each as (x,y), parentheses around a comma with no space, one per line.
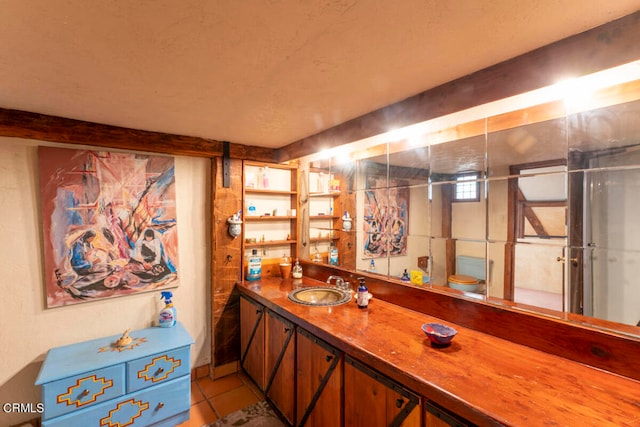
(95,383)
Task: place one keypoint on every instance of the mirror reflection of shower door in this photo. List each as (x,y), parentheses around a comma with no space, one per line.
(612,255)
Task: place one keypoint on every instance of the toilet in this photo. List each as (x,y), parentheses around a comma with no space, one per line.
(471,273)
(464,282)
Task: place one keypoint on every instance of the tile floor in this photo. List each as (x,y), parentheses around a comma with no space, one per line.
(213,399)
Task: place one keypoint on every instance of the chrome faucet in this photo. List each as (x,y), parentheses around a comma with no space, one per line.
(340,283)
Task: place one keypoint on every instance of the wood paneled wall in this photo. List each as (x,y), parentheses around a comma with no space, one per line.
(226,265)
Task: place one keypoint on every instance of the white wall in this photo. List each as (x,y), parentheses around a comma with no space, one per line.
(28,329)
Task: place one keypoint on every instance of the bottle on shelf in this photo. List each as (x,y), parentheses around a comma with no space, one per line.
(250,180)
(254,266)
(346,222)
(333,254)
(296,272)
(260,178)
(372,266)
(251,210)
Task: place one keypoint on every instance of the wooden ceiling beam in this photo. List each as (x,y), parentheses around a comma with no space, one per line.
(26,125)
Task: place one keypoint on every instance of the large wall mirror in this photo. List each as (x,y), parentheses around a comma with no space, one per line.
(528,204)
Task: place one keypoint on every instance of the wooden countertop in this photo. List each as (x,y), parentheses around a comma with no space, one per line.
(487,380)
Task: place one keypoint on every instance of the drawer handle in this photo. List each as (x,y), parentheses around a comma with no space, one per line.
(399,403)
(160,405)
(329,357)
(84,393)
(159,371)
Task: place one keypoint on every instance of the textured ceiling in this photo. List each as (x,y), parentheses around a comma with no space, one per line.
(263,73)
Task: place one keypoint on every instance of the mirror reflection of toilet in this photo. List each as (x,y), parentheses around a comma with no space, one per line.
(471,273)
(464,282)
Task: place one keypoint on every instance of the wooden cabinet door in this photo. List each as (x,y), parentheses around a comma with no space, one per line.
(252,340)
(280,364)
(372,400)
(439,417)
(319,382)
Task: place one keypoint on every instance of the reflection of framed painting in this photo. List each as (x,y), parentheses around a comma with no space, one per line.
(386,219)
(109,224)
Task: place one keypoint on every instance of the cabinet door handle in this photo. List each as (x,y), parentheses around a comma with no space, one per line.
(399,403)
(160,405)
(159,371)
(84,393)
(329,357)
(286,330)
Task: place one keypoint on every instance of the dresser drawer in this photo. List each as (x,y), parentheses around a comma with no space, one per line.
(155,369)
(144,408)
(80,391)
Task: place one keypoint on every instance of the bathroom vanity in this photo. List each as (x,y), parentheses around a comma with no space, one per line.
(391,375)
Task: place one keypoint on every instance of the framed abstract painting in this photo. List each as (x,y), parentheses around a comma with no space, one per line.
(386,219)
(109,224)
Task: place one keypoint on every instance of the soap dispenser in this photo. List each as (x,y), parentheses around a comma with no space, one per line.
(362,296)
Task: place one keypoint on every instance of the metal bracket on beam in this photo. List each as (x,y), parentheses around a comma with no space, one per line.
(226,165)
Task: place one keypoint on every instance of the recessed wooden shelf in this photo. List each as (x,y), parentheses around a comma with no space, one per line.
(324,217)
(269,243)
(281,196)
(269,218)
(323,239)
(267,191)
(332,194)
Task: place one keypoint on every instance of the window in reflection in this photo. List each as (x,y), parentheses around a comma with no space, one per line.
(467,188)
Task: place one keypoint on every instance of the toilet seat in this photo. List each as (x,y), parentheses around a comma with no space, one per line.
(463,282)
(463,279)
